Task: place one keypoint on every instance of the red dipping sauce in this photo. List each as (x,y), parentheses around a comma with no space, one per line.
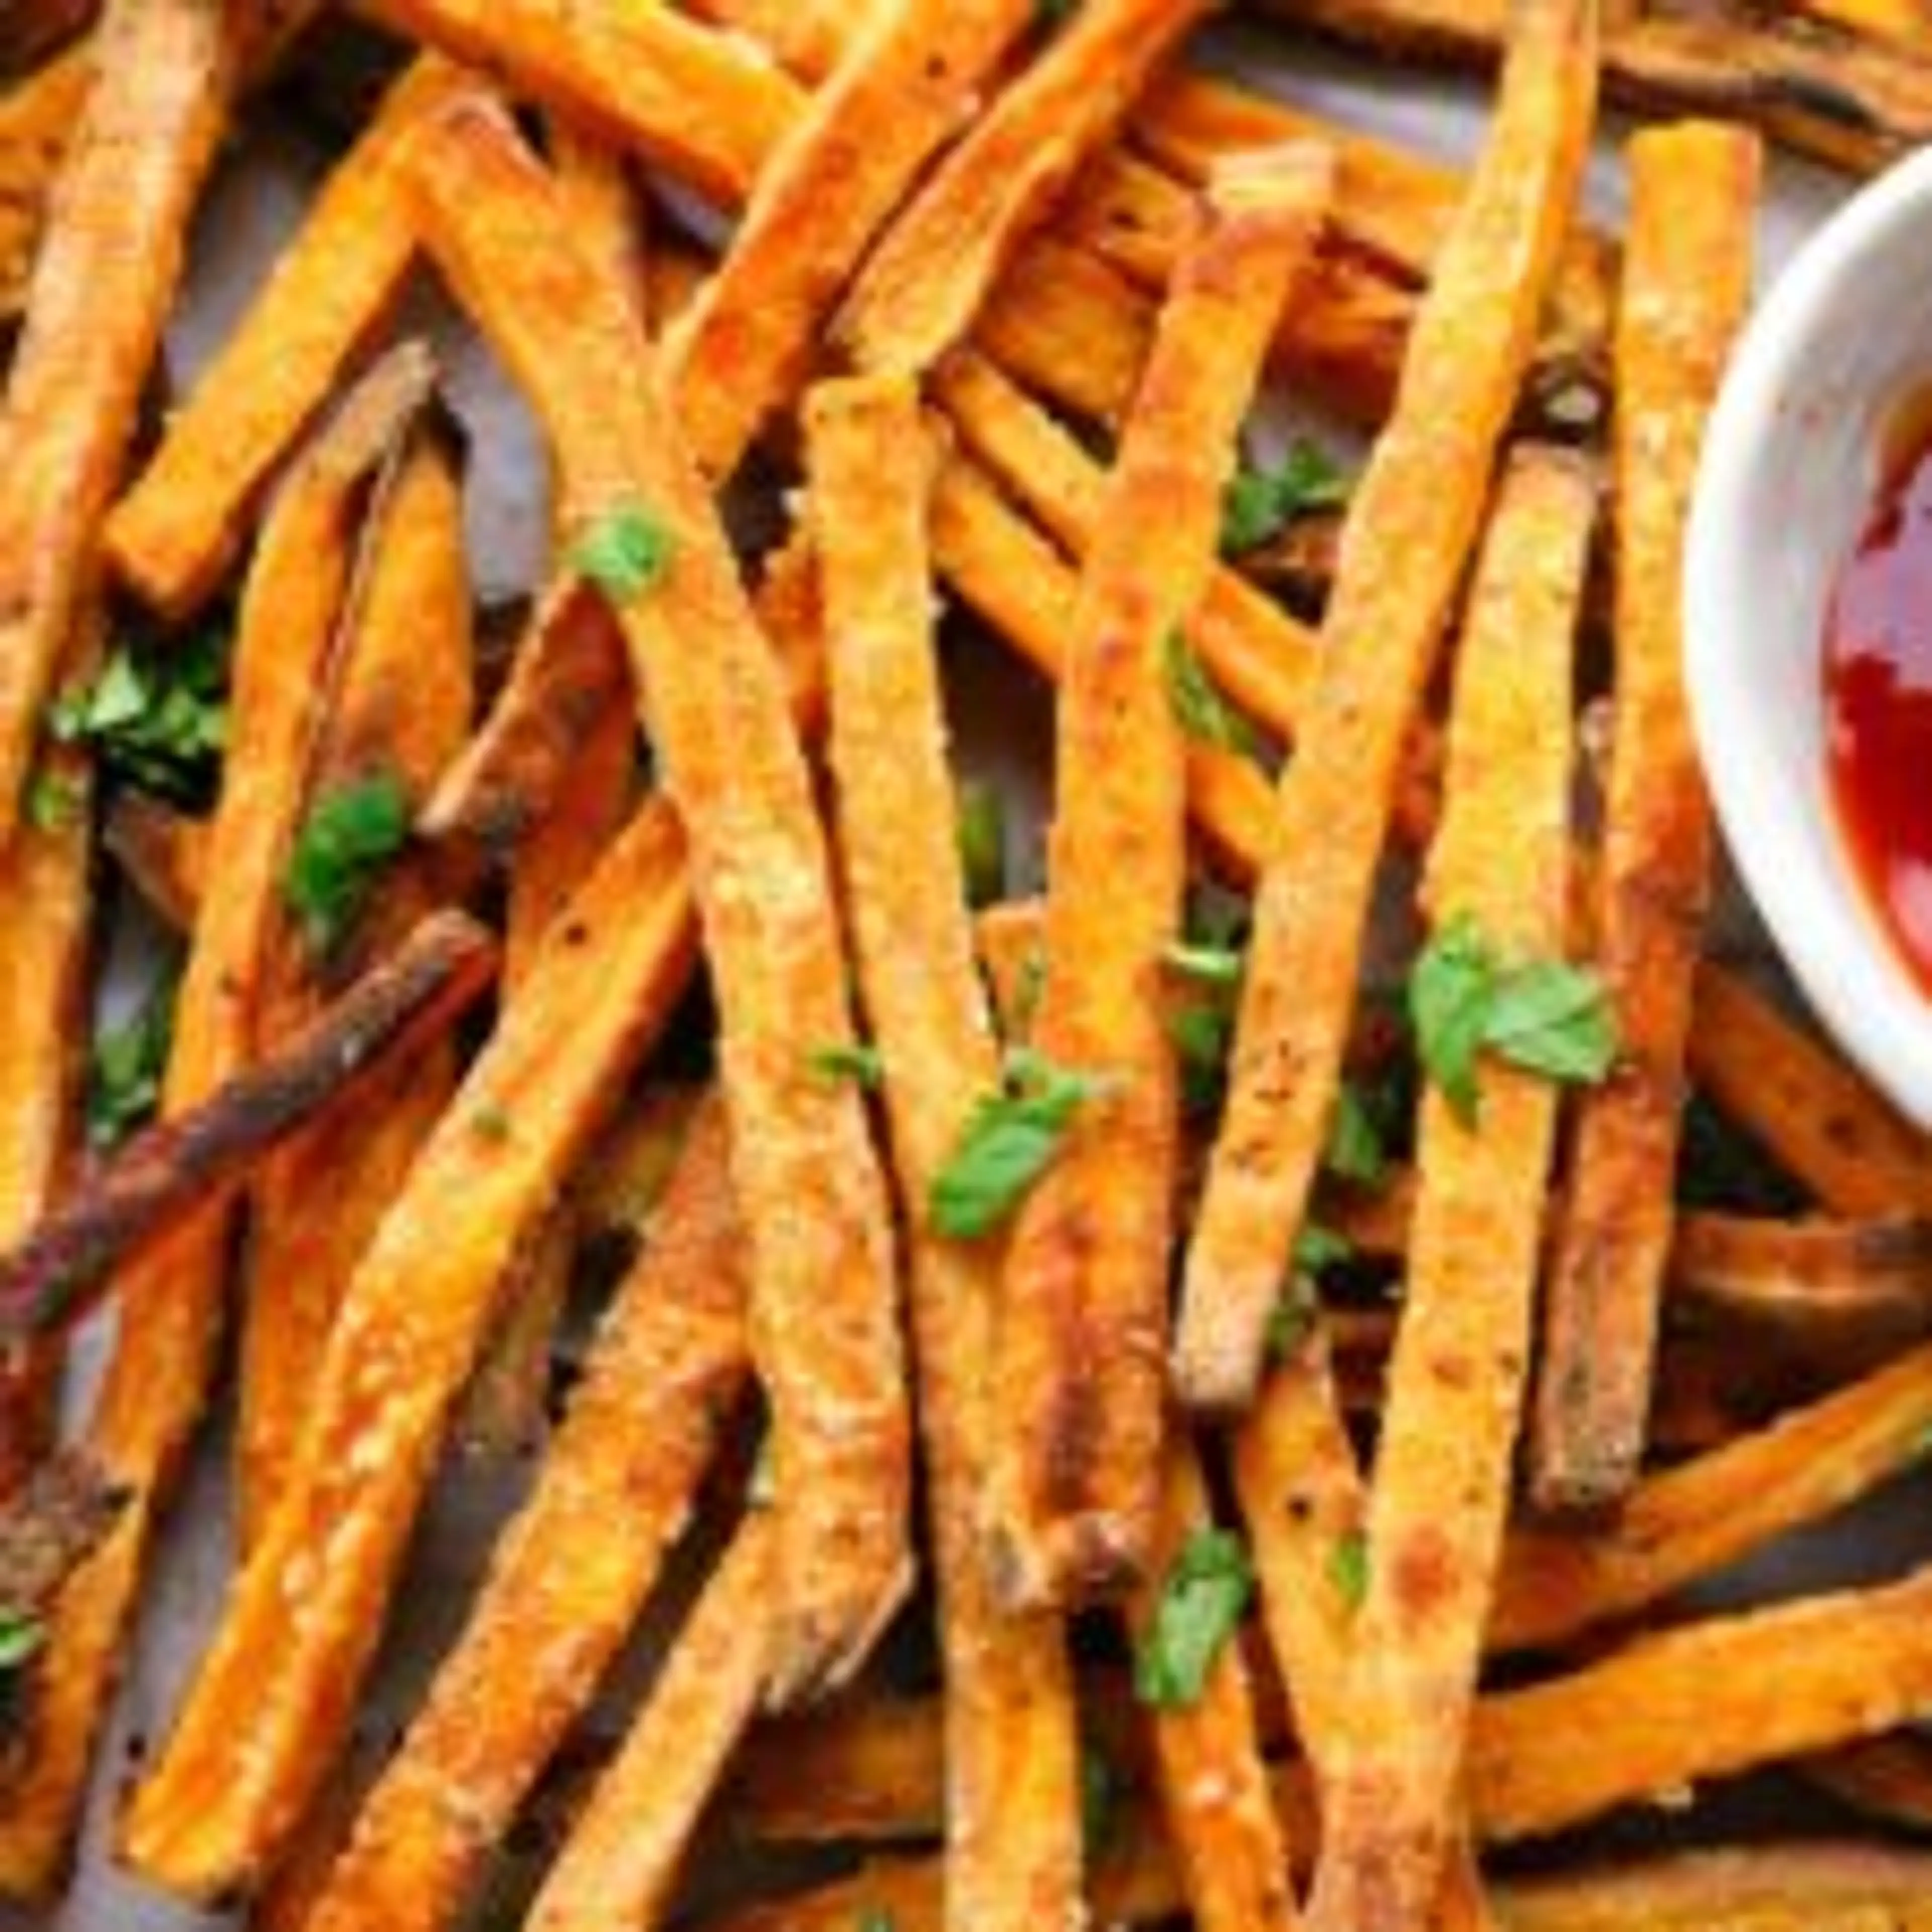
(1878,702)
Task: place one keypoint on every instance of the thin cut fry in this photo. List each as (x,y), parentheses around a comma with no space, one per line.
(37,122)
(824,1317)
(806,38)
(102,286)
(399,710)
(1689,1521)
(606,209)
(171,538)
(1074,1483)
(155,1187)
(1823,1124)
(571,1573)
(1445,1458)
(1012,1823)
(1413,518)
(569,674)
(1685,288)
(707,107)
(619,1866)
(913,76)
(929,278)
(1220,1815)
(164,1353)
(271,1703)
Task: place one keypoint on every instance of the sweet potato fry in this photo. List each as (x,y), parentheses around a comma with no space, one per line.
(37,115)
(914,75)
(164,854)
(1816,1117)
(568,674)
(1420,500)
(1013,1822)
(204,1153)
(1887,1779)
(1005,570)
(35,29)
(824,1315)
(1219,1816)
(619,1866)
(172,537)
(1074,1483)
(400,707)
(1857,104)
(164,1352)
(1838,1287)
(102,286)
(1261,658)
(1691,1521)
(805,37)
(1686,286)
(706,107)
(929,276)
(248,1752)
(571,1574)
(607,212)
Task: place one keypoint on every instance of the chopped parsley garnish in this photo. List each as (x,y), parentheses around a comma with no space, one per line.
(1292,1319)
(1202,1600)
(1202,712)
(23,1637)
(348,839)
(1202,1031)
(1355,1151)
(1010,1141)
(156,717)
(1546,1016)
(1259,504)
(1211,965)
(1348,1568)
(623,552)
(124,1072)
(982,843)
(863,1065)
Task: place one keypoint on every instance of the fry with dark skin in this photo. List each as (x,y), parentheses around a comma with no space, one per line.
(1686,286)
(103,284)
(824,1303)
(1420,501)
(206,1153)
(1012,1826)
(1073,1487)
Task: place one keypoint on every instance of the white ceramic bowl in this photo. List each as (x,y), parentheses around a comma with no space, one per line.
(1791,461)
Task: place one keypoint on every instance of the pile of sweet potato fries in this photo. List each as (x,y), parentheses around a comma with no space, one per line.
(1209,1396)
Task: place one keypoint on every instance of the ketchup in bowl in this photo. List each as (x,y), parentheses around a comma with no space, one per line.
(1878,701)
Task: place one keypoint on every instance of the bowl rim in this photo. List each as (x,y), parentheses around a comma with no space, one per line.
(1845,963)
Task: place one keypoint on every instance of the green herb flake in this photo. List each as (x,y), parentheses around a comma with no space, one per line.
(1356,1151)
(23,1637)
(1292,1320)
(1010,1141)
(864,1066)
(125,1070)
(342,849)
(1202,712)
(1317,1248)
(624,553)
(1202,1600)
(492,1123)
(1202,1036)
(1546,1016)
(1348,1568)
(53,801)
(1207,965)
(876,1919)
(1259,504)
(155,718)
(982,843)
(1919,1449)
